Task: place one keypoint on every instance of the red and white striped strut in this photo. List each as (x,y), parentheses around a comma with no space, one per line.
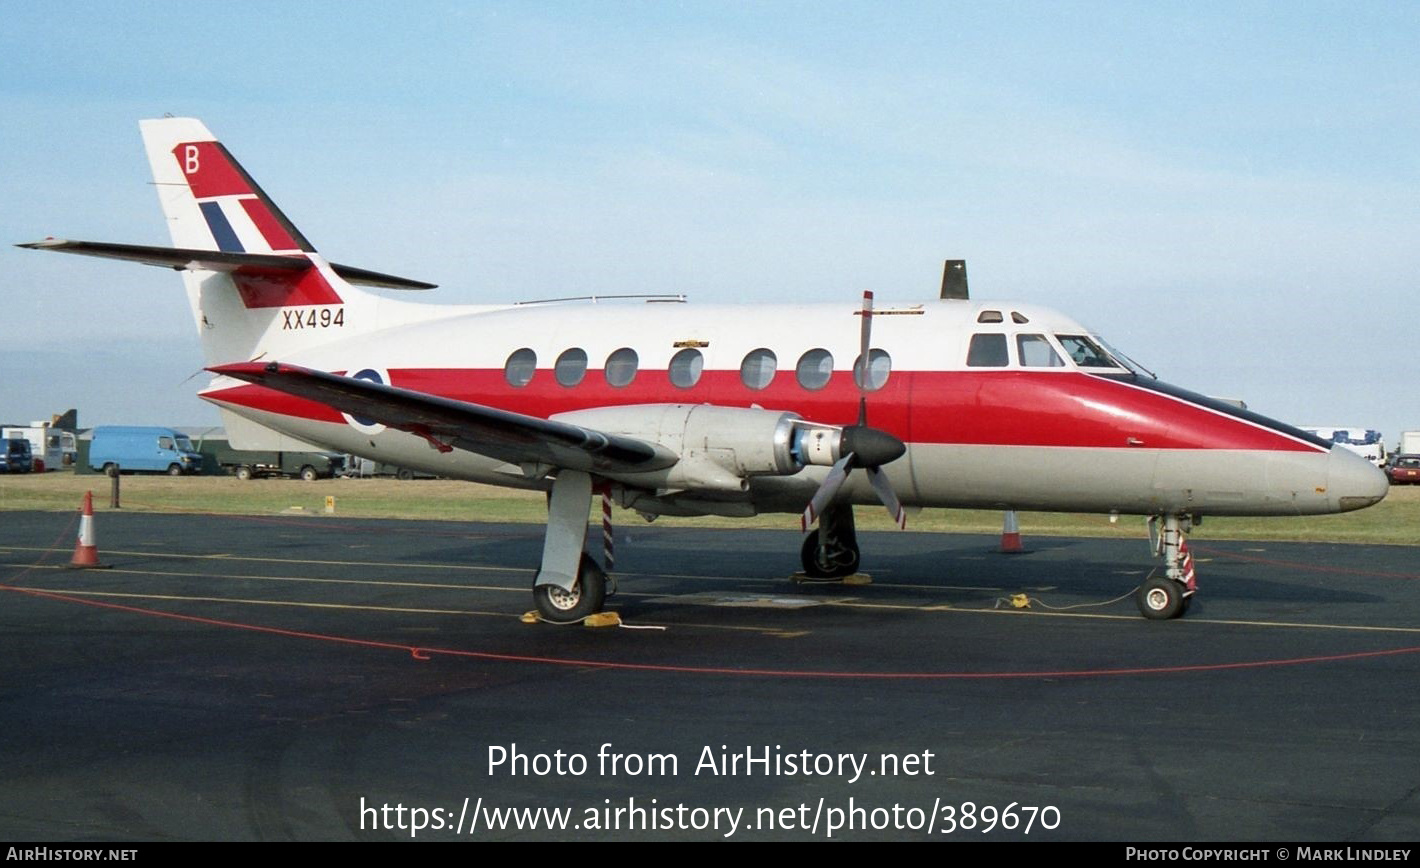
(608,541)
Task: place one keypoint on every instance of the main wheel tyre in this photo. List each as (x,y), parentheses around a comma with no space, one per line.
(244,473)
(586,597)
(1160,599)
(404,474)
(822,565)
(308,473)
(175,470)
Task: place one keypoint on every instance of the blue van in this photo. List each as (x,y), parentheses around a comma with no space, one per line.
(15,456)
(127,449)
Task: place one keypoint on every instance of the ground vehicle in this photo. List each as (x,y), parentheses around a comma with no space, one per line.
(251,464)
(16,457)
(46,446)
(1409,443)
(129,449)
(1403,469)
(364,468)
(1365,442)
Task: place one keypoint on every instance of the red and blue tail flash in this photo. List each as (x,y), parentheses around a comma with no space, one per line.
(243,219)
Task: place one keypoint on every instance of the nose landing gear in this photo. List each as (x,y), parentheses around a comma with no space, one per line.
(1169,596)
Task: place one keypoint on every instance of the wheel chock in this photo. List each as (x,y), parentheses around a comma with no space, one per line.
(602,619)
(1020,601)
(530,617)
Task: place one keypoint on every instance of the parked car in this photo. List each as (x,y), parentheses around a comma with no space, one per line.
(16,457)
(365,468)
(1402,469)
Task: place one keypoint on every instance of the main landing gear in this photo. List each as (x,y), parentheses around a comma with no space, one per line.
(569,584)
(831,552)
(1170,595)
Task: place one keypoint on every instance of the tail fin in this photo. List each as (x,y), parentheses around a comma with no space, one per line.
(255,284)
(210,201)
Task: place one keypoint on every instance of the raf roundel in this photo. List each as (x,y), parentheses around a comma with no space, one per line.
(361,423)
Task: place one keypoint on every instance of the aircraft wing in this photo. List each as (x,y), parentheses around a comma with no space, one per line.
(449,424)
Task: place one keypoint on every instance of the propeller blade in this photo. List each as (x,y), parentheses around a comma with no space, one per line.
(865,343)
(866,333)
(887,496)
(831,483)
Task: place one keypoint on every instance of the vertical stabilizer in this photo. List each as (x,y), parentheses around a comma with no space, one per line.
(246,312)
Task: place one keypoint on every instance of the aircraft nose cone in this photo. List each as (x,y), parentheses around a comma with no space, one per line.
(1352,481)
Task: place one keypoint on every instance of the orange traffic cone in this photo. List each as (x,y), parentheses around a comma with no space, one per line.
(86,553)
(1011,535)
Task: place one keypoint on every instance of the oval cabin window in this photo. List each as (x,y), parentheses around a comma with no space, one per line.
(685,368)
(571,367)
(814,369)
(758,368)
(520,367)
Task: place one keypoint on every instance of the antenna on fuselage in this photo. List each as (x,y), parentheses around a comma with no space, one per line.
(954,279)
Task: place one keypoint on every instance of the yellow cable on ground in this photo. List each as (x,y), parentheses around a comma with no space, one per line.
(598,619)
(850,579)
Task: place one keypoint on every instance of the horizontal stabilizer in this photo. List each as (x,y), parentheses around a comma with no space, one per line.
(446,423)
(187,259)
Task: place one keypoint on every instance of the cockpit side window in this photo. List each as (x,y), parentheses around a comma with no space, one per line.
(988,351)
(1085,352)
(1036,352)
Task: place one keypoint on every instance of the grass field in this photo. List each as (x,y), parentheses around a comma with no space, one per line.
(1395,520)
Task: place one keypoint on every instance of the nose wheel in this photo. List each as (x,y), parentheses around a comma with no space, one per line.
(1160,599)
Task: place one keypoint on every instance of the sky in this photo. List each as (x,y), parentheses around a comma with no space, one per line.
(1228,192)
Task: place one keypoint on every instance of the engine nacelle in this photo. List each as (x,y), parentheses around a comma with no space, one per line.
(720,448)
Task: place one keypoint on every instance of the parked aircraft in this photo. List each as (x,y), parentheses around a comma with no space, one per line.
(671,408)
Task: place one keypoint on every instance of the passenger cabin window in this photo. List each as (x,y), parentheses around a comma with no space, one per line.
(621,367)
(814,369)
(520,367)
(685,368)
(1085,352)
(879,366)
(571,367)
(758,368)
(1036,352)
(987,351)
(989,316)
